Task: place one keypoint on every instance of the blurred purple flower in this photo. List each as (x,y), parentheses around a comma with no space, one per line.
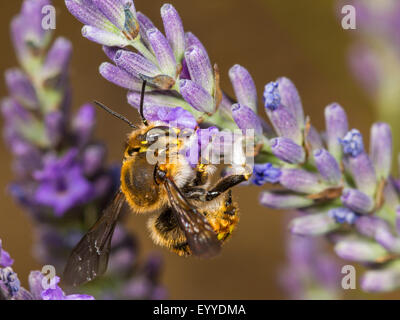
(62,184)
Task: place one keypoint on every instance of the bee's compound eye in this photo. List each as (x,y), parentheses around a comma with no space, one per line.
(154,134)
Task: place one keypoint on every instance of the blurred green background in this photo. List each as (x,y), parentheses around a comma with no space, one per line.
(302,40)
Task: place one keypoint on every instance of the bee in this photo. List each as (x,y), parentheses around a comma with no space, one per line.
(189,215)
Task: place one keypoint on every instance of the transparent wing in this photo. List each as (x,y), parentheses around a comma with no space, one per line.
(89,259)
(200,236)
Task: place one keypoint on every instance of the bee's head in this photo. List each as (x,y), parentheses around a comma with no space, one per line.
(141,139)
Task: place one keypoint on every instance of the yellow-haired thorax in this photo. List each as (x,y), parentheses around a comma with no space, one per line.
(142,192)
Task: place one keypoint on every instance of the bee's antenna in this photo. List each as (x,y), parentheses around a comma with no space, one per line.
(115,114)
(142,103)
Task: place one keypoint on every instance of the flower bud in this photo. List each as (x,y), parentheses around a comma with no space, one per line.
(200,69)
(265,173)
(279,200)
(336,128)
(301,181)
(313,225)
(285,124)
(244,86)
(135,64)
(197,96)
(163,52)
(245,119)
(104,37)
(381,149)
(360,250)
(383,280)
(120,77)
(288,151)
(173,30)
(291,100)
(327,166)
(357,201)
(342,215)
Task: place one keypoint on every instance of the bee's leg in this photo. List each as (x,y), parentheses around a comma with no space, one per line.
(222,186)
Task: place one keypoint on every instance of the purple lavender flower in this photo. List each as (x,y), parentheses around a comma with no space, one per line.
(343,215)
(264,173)
(352,143)
(272,98)
(10,286)
(5,258)
(62,184)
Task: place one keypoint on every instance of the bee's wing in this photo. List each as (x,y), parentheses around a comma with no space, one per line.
(200,236)
(89,259)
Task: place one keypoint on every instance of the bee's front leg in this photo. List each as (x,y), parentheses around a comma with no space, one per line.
(223,185)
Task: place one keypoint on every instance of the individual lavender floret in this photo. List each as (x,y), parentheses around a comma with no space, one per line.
(244,86)
(381,149)
(5,258)
(360,250)
(290,98)
(357,201)
(313,224)
(264,173)
(327,166)
(383,280)
(336,128)
(281,117)
(343,215)
(272,98)
(247,119)
(284,200)
(301,181)
(287,150)
(360,165)
(352,143)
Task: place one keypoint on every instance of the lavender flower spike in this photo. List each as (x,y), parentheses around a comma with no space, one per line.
(244,86)
(288,151)
(357,201)
(381,149)
(336,128)
(327,166)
